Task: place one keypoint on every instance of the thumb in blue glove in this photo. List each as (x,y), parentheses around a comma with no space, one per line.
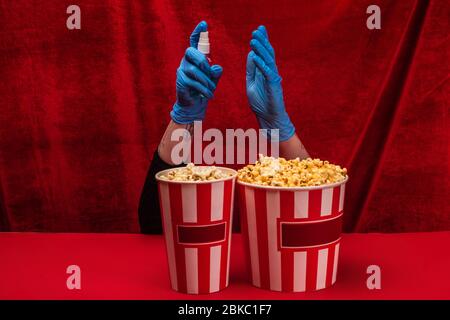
(196,82)
(264,90)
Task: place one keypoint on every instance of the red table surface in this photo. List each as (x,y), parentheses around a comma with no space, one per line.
(134,266)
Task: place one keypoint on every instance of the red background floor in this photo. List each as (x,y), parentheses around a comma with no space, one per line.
(131,266)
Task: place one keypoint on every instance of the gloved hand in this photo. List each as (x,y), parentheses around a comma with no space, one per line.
(264,90)
(196,82)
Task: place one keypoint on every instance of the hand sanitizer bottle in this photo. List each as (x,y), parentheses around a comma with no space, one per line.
(203,45)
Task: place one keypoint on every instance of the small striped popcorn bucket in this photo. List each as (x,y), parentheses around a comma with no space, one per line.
(292,234)
(197,218)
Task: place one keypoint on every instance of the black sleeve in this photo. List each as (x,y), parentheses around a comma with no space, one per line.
(149,211)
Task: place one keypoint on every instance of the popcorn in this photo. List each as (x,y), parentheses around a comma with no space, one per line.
(269,171)
(196,173)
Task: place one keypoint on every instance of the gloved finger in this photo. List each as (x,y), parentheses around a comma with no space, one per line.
(195,73)
(260,79)
(257,34)
(216,73)
(195,35)
(263,30)
(198,59)
(268,73)
(197,86)
(251,68)
(262,52)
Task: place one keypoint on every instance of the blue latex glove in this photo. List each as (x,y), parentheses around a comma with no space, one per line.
(196,82)
(264,90)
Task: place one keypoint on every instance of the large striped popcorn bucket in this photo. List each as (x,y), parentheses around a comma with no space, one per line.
(292,234)
(197,218)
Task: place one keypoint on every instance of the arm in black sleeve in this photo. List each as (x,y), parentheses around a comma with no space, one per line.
(149,210)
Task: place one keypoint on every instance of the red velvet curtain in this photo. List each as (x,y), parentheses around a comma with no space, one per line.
(83,110)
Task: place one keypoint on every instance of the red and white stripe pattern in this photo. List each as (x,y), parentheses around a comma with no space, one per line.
(197,268)
(290,269)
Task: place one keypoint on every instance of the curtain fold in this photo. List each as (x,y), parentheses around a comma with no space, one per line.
(368,151)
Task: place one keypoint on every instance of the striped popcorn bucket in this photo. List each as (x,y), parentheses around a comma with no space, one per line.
(292,234)
(197,218)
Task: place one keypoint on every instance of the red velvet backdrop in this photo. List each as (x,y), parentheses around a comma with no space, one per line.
(83,110)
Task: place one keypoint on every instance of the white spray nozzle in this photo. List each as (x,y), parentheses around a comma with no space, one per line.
(203,43)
